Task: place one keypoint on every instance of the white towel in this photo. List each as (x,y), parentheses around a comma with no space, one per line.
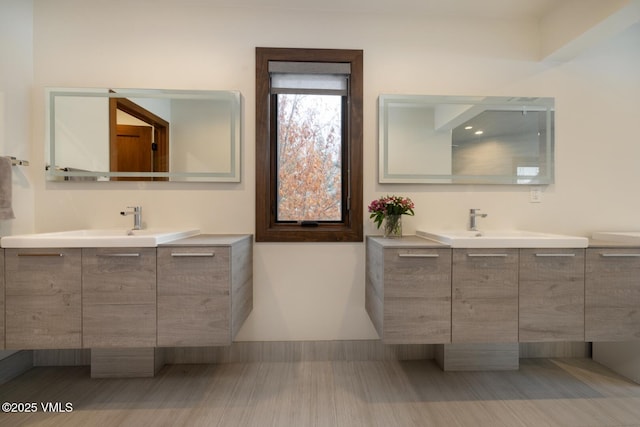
(6,211)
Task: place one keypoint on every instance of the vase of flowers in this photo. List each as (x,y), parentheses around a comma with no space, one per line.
(388,210)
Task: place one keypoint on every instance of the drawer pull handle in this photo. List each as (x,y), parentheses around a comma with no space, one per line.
(488,255)
(187,254)
(620,255)
(418,255)
(119,255)
(555,255)
(37,254)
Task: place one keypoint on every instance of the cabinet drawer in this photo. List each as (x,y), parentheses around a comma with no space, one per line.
(612,294)
(47,271)
(417,296)
(484,295)
(193,271)
(551,295)
(119,275)
(406,271)
(43,304)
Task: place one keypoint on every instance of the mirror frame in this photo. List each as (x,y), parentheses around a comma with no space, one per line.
(233,97)
(477,104)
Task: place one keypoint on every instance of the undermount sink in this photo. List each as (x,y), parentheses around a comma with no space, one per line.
(618,236)
(503,239)
(96,238)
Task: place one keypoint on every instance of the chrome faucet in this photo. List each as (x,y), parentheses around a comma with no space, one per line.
(137,216)
(473,214)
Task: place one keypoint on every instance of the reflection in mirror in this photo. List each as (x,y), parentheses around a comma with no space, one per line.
(465,140)
(143,134)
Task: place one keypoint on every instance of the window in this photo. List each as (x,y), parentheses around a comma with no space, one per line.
(308,145)
(309,135)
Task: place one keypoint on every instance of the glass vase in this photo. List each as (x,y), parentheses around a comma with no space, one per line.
(392,226)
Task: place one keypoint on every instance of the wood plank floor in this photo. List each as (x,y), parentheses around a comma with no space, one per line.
(544,392)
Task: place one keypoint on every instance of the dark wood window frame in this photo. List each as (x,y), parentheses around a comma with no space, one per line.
(267,228)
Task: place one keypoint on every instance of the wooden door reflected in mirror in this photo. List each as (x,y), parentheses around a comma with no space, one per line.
(137,148)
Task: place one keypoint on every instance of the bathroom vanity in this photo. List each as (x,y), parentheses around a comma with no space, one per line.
(476,305)
(127,302)
(480,303)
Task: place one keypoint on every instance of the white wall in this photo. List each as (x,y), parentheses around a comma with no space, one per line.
(16,78)
(316,291)
(16,74)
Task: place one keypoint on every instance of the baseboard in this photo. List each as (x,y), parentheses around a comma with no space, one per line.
(298,351)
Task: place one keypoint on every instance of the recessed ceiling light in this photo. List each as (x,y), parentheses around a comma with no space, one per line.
(468,127)
(479,132)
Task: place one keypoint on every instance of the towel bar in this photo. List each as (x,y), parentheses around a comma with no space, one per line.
(17,162)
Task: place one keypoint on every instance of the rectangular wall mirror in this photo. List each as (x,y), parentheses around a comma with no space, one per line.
(143,135)
(466,140)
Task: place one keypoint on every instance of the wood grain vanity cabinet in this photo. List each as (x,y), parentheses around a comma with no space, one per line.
(118,297)
(501,295)
(204,290)
(408,290)
(551,295)
(484,296)
(124,302)
(612,294)
(43,298)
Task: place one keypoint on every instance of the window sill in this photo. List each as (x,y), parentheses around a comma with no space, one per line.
(298,233)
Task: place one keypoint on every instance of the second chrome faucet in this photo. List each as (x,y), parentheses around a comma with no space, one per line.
(473,214)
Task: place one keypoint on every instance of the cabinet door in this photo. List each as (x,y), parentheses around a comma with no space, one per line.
(417,296)
(193,296)
(119,297)
(485,295)
(551,295)
(43,288)
(612,294)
